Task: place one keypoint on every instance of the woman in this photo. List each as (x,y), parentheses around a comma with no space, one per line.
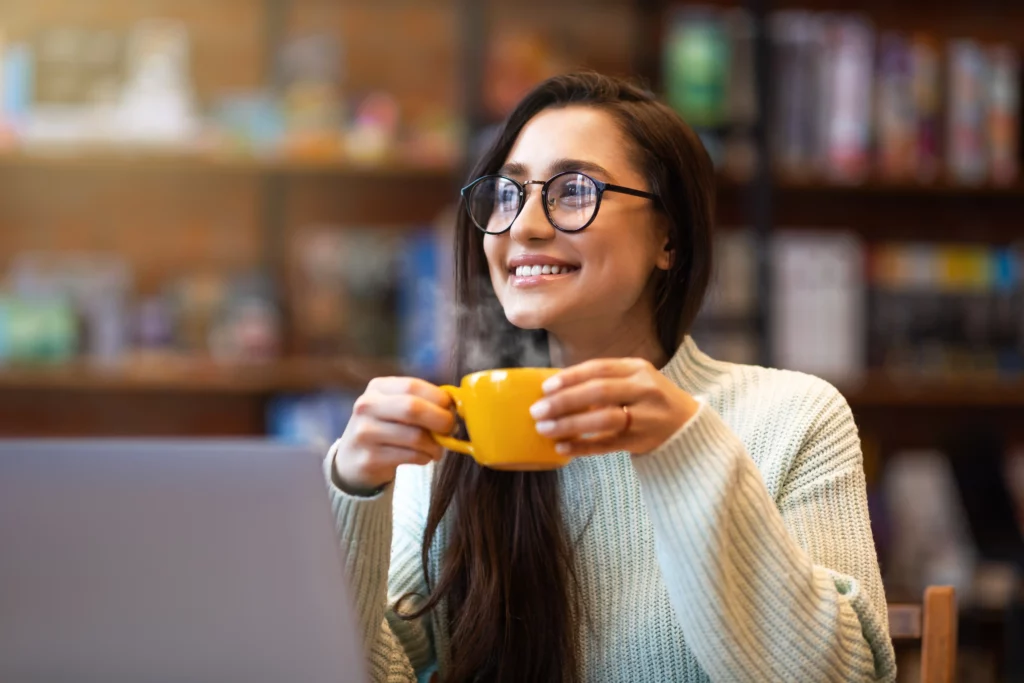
(714,525)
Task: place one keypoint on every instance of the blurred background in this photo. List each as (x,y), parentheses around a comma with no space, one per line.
(222,217)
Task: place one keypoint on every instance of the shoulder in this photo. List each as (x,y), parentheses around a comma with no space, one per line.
(748,393)
(794,426)
(782,395)
(790,422)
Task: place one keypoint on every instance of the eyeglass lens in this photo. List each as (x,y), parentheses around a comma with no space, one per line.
(571,200)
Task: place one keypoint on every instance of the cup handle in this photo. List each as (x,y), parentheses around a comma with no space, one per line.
(449,442)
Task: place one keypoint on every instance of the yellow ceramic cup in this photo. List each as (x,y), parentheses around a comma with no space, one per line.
(496,407)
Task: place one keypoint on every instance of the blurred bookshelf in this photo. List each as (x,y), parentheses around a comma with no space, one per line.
(299,125)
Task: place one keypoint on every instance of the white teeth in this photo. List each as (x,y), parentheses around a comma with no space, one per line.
(533,271)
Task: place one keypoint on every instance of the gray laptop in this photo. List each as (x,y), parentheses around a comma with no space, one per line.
(139,561)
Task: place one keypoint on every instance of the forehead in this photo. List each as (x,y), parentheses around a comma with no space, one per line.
(575,132)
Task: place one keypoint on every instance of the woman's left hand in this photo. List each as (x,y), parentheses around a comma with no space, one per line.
(583,408)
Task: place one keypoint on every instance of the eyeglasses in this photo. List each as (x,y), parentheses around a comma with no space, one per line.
(570,199)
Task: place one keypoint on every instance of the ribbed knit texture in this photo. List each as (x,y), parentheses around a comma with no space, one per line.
(740,550)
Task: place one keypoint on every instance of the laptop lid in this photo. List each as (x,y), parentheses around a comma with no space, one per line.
(170,561)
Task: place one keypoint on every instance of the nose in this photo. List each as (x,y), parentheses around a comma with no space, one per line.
(532,224)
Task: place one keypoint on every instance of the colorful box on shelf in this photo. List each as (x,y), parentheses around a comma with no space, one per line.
(37,331)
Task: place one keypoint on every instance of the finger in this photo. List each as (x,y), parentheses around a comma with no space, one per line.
(412,386)
(597,446)
(373,433)
(584,397)
(392,456)
(405,409)
(600,367)
(606,421)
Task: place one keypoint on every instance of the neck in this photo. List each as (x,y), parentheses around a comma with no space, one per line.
(617,341)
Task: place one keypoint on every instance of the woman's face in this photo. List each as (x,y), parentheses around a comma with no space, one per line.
(609,264)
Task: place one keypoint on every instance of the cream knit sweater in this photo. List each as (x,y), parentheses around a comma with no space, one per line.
(740,550)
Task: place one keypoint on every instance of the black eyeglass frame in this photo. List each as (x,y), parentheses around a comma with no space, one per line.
(601,186)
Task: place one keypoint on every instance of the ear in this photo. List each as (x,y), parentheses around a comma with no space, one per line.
(666,255)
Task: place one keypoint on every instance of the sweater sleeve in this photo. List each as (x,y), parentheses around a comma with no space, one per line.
(765,591)
(380,537)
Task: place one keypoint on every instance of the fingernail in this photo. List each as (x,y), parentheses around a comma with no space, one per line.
(546,426)
(563,448)
(540,409)
(551,384)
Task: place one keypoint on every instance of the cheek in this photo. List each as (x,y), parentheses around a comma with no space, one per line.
(621,259)
(620,275)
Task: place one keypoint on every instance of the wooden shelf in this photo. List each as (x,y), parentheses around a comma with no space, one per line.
(173,374)
(154,159)
(878,186)
(157,159)
(887,391)
(178,374)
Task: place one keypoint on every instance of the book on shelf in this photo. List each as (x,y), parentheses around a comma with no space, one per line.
(904,106)
(966,128)
(795,119)
(848,61)
(733,287)
(708,59)
(697,66)
(945,310)
(897,142)
(822,119)
(726,327)
(741,91)
(1004,114)
(817,314)
(926,86)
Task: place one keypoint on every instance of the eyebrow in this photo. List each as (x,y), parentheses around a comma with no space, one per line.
(515,168)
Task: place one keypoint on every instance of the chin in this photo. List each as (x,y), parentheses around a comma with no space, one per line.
(527,317)
(527,320)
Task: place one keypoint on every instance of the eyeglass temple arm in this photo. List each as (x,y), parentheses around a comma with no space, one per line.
(628,190)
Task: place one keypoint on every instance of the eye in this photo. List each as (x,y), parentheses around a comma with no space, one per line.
(576,193)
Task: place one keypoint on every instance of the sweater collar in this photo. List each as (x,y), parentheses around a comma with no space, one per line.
(692,369)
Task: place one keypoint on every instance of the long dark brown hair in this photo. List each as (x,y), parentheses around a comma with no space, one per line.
(506,583)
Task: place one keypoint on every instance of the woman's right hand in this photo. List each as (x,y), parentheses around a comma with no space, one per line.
(390,426)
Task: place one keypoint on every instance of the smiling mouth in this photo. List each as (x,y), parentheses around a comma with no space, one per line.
(535,271)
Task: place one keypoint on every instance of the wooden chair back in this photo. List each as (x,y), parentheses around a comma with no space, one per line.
(933,624)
